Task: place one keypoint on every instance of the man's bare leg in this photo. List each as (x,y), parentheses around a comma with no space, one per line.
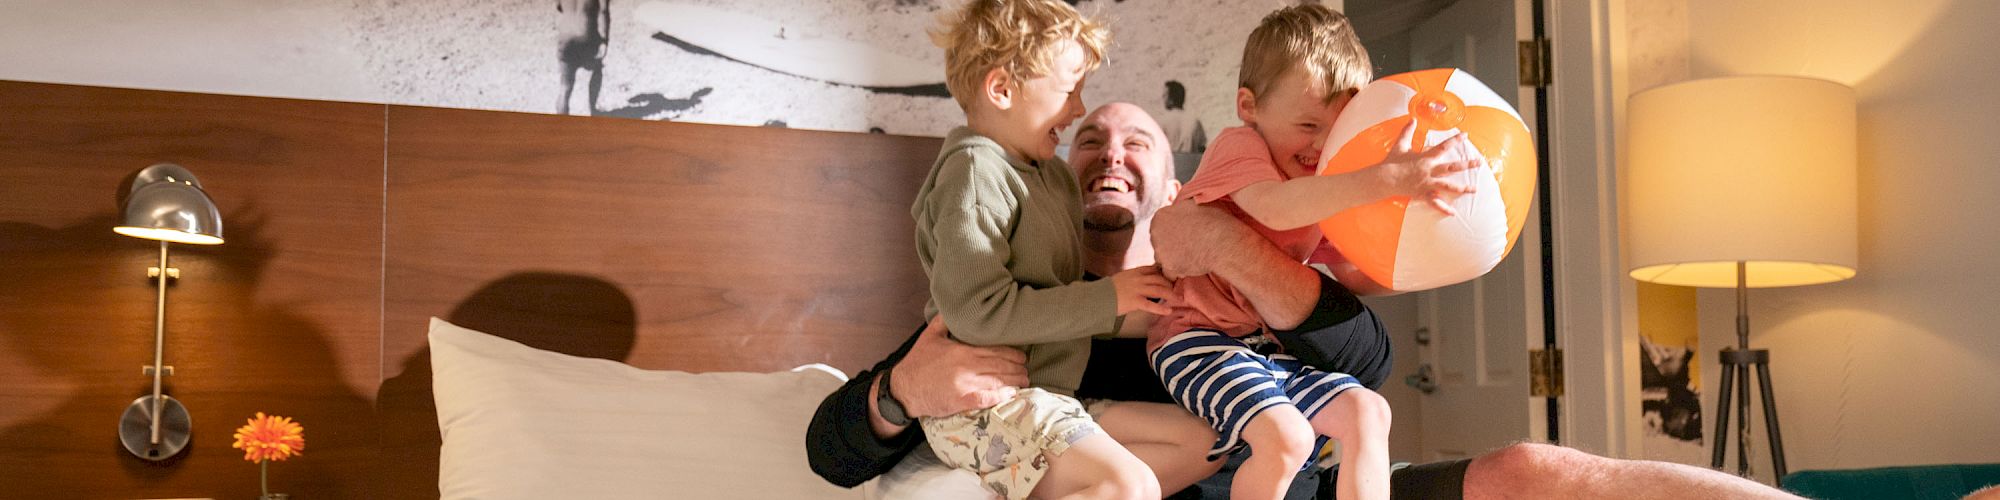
(1528,470)
(596,85)
(1171,441)
(568,86)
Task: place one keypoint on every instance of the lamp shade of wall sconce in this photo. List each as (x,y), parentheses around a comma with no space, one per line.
(166,203)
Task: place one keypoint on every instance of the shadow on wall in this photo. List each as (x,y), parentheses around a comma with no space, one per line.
(78,308)
(654,106)
(566,313)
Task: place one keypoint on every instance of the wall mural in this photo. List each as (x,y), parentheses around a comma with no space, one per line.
(850,65)
(842,65)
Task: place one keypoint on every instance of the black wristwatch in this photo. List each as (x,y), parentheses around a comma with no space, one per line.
(886,404)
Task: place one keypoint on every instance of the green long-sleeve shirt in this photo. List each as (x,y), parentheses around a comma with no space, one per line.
(999,240)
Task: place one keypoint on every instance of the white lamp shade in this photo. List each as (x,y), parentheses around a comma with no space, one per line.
(1756,169)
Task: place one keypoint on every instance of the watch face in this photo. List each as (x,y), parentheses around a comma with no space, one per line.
(886,403)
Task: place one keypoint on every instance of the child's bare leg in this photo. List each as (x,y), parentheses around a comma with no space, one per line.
(1097,467)
(1171,441)
(1359,420)
(1280,442)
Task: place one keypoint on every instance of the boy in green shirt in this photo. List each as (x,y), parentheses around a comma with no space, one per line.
(998,219)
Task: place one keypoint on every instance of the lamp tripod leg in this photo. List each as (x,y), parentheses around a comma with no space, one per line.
(1722,413)
(1771,422)
(1742,420)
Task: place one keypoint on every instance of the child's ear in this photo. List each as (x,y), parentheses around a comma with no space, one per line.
(1246,105)
(998,88)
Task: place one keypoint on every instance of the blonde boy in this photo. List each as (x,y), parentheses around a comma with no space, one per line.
(998,219)
(1300,66)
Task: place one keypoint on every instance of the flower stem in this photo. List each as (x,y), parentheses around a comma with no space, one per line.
(264,476)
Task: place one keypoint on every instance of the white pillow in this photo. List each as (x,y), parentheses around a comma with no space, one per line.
(519,422)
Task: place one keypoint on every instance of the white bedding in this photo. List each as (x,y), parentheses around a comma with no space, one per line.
(525,423)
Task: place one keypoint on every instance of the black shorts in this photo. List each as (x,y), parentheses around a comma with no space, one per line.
(1445,480)
(1436,480)
(580,52)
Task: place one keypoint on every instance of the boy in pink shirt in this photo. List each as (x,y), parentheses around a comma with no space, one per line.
(1300,66)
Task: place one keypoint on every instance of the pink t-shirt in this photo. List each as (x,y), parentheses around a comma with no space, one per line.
(1237,158)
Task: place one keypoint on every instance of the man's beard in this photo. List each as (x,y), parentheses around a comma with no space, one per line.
(1107,218)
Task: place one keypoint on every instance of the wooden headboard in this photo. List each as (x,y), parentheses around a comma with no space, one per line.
(665,245)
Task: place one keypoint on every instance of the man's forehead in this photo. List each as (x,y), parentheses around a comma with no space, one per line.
(1132,125)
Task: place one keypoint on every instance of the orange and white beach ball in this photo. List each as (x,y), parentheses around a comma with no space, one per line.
(1414,246)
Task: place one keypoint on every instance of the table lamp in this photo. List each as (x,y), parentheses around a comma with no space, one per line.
(1743,182)
(166,203)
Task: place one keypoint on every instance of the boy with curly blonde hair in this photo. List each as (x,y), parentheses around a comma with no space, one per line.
(1300,66)
(998,221)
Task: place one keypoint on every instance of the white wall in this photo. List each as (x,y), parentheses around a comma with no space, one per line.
(1900,365)
(1657,48)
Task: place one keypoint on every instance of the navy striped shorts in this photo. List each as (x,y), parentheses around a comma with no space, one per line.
(1226,383)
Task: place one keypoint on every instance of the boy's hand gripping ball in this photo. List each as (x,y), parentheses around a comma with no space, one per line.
(1413,246)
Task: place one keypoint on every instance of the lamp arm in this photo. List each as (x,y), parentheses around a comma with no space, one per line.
(1742,305)
(159,341)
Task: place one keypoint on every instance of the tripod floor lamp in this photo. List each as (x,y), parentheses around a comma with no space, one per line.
(1743,182)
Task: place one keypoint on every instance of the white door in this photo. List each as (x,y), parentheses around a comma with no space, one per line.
(1479,333)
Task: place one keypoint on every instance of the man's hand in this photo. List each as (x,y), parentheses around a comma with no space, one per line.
(941,376)
(1190,239)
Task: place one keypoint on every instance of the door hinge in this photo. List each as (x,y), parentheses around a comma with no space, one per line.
(1534,58)
(1545,373)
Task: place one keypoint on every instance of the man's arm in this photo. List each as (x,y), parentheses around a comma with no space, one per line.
(604,22)
(1191,240)
(848,442)
(1314,317)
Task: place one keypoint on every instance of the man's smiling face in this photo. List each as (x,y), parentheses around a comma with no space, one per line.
(1125,166)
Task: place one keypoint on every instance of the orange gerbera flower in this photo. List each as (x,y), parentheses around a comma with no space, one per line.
(270,438)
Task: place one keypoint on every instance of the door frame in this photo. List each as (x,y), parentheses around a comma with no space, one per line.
(1596,315)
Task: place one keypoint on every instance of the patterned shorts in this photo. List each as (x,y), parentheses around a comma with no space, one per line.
(1009,445)
(1224,382)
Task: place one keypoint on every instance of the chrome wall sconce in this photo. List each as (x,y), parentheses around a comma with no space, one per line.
(166,204)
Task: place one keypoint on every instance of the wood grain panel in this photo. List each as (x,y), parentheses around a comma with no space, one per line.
(283,318)
(666,245)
